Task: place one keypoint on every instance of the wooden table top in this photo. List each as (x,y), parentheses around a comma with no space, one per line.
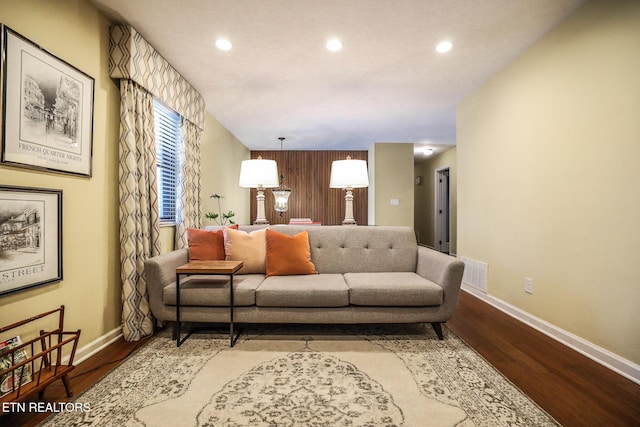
(210,267)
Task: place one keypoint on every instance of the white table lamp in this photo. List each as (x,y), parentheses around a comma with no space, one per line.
(259,173)
(349,174)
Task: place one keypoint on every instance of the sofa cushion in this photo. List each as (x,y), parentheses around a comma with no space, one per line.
(392,290)
(376,248)
(288,255)
(315,290)
(206,245)
(213,291)
(251,248)
(363,249)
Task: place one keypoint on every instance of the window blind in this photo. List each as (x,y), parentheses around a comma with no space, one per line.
(167,132)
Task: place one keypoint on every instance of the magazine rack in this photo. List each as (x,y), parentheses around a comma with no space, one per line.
(39,358)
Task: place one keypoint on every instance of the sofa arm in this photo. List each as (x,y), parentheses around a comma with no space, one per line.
(159,272)
(444,270)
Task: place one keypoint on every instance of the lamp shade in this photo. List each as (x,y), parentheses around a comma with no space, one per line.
(256,173)
(349,174)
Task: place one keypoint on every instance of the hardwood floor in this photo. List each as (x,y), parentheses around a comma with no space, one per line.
(575,390)
(572,388)
(86,374)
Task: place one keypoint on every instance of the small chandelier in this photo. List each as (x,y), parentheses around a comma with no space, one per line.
(282,192)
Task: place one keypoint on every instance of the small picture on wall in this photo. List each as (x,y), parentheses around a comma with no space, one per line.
(48,109)
(30,237)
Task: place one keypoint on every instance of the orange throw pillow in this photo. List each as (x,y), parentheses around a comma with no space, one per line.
(250,248)
(206,245)
(288,255)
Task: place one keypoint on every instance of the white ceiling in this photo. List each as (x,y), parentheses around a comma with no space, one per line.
(387,84)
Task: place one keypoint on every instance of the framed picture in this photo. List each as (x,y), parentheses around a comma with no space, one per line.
(47,104)
(30,237)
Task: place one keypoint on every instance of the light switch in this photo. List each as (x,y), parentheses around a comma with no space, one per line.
(395,202)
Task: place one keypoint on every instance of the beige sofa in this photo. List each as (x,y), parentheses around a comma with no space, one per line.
(367,274)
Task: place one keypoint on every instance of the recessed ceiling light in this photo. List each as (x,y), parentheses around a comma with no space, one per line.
(334,45)
(223,44)
(444,46)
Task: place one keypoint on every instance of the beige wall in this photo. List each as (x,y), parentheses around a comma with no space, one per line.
(548,177)
(425,197)
(371,193)
(221,154)
(74,31)
(392,178)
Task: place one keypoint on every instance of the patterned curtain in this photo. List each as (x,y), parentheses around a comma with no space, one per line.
(139,218)
(188,192)
(139,65)
(132,58)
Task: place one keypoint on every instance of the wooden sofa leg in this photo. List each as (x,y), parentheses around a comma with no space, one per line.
(67,385)
(438,328)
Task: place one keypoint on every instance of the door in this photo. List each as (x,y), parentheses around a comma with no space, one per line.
(443,210)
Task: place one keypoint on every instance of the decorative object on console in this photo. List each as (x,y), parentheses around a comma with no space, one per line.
(349,174)
(303,221)
(288,255)
(220,218)
(282,192)
(260,174)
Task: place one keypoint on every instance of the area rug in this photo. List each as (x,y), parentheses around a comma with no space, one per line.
(393,375)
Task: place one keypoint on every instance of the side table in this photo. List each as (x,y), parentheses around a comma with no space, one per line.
(228,268)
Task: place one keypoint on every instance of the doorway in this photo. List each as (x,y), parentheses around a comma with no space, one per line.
(443,211)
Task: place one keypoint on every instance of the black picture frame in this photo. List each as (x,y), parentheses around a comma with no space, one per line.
(47,109)
(30,238)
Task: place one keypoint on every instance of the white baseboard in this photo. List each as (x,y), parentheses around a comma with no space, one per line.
(88,350)
(618,364)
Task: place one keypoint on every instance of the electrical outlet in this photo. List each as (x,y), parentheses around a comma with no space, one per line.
(528,285)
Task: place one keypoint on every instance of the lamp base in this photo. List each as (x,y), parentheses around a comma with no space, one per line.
(261,218)
(348,208)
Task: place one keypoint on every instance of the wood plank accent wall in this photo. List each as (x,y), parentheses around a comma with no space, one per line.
(307,173)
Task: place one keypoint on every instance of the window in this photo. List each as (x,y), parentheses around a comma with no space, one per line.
(167,130)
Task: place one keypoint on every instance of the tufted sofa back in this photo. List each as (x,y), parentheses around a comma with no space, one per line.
(355,249)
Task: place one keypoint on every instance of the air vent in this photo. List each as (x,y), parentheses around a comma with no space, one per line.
(475,274)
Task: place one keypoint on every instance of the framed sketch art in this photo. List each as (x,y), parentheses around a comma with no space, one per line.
(47,120)
(30,237)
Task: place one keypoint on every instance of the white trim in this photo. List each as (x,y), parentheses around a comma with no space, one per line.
(100,343)
(610,360)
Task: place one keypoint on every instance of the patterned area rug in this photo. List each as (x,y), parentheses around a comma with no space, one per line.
(394,375)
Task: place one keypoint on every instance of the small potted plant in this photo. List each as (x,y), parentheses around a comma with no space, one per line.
(220,218)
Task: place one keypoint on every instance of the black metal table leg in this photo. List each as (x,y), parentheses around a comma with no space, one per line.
(210,269)
(178,310)
(231,310)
